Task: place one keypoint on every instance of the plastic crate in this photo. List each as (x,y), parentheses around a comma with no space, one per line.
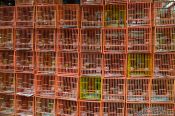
(113,90)
(7,83)
(67,108)
(165,39)
(89,108)
(138,90)
(91,40)
(6,60)
(139,40)
(114,40)
(162,90)
(24,39)
(113,109)
(24,106)
(164,65)
(7,105)
(45,16)
(137,109)
(139,65)
(24,2)
(45,39)
(25,16)
(91,64)
(24,61)
(92,17)
(25,84)
(7,16)
(114,65)
(139,14)
(68,40)
(68,63)
(6,38)
(44,107)
(90,87)
(115,1)
(45,86)
(68,16)
(115,15)
(67,87)
(91,2)
(164,12)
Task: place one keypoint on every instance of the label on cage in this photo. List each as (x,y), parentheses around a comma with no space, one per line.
(98,69)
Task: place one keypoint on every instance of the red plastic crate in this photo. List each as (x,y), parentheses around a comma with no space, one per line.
(7,16)
(114,65)
(68,16)
(6,60)
(6,38)
(45,62)
(7,83)
(25,84)
(138,90)
(24,61)
(68,40)
(165,39)
(46,16)
(91,64)
(114,40)
(91,2)
(113,109)
(140,40)
(67,62)
(25,16)
(67,108)
(89,108)
(92,17)
(44,106)
(24,2)
(24,39)
(139,14)
(162,91)
(164,65)
(45,86)
(24,106)
(67,87)
(91,40)
(7,105)
(115,1)
(113,90)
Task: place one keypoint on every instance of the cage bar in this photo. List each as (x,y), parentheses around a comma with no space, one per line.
(114,40)
(91,64)
(68,40)
(115,15)
(25,16)
(7,16)
(139,14)
(92,17)
(25,84)
(141,0)
(91,2)
(113,90)
(45,86)
(115,1)
(68,16)
(162,90)
(24,2)
(139,65)
(138,90)
(46,16)
(24,106)
(91,40)
(89,108)
(6,38)
(67,87)
(7,83)
(44,107)
(90,87)
(113,109)
(67,108)
(114,65)
(46,2)
(7,105)
(165,39)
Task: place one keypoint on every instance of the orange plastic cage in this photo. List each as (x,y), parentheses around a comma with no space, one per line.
(91,2)
(24,2)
